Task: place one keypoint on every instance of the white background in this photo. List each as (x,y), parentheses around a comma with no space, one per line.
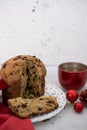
(53,30)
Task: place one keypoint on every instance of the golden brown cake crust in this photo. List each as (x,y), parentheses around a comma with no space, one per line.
(30,107)
(17,72)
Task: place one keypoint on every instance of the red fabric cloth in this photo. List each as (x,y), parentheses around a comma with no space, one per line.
(3,109)
(9,122)
(3,84)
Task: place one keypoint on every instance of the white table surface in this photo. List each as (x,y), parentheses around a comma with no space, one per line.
(67,119)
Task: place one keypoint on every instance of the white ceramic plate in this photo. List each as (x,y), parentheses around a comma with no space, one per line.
(52,89)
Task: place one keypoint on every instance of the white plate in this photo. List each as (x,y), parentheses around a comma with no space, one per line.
(52,89)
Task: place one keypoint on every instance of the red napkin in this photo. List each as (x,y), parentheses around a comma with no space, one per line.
(9,122)
(3,84)
(3,109)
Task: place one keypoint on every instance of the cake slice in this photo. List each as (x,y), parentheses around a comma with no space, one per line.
(30,107)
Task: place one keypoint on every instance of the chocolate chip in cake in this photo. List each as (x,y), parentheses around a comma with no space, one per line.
(33,79)
(34,56)
(24,58)
(38,94)
(24,105)
(49,102)
(11,73)
(27,71)
(16,64)
(40,108)
(42,84)
(4,65)
(30,75)
(41,99)
(16,108)
(32,67)
(23,74)
(28,87)
(39,60)
(17,57)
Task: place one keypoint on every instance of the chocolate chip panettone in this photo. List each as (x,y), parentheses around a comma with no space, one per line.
(30,107)
(25,76)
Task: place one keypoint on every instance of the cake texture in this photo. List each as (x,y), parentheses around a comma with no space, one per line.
(30,107)
(25,76)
